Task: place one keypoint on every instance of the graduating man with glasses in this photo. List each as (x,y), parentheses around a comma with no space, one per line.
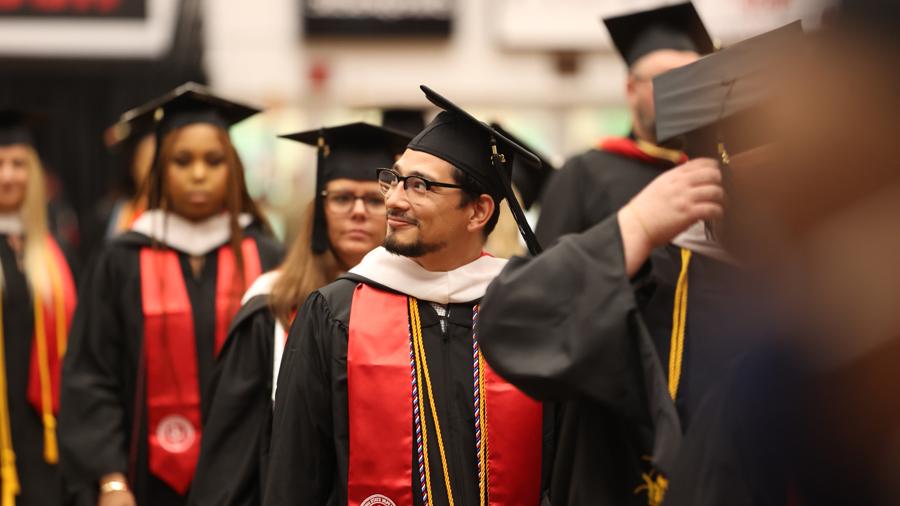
(383,396)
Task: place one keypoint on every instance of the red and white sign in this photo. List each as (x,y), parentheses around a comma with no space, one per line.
(87,28)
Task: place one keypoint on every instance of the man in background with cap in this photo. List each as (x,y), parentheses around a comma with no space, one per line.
(597,183)
(383,396)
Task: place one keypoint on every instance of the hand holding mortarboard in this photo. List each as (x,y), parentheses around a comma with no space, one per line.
(717,105)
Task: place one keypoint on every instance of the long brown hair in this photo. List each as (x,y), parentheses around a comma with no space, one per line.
(302,272)
(237,198)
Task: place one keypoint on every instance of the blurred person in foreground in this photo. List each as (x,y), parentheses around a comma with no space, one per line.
(597,183)
(345,221)
(816,420)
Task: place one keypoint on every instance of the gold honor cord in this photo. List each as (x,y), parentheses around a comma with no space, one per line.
(51,450)
(679,322)
(656,484)
(483,452)
(422,372)
(414,324)
(423,377)
(49,421)
(8,473)
(59,308)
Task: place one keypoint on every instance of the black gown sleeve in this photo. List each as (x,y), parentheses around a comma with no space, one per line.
(562,207)
(92,419)
(566,326)
(238,417)
(302,455)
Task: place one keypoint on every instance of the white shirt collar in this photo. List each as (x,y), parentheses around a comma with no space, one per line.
(464,284)
(11,224)
(261,286)
(695,239)
(193,238)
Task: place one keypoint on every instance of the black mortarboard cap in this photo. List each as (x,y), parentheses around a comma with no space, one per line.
(722,98)
(354,150)
(677,27)
(527,178)
(187,104)
(411,121)
(17,126)
(351,151)
(480,151)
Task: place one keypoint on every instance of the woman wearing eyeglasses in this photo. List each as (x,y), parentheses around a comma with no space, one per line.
(345,221)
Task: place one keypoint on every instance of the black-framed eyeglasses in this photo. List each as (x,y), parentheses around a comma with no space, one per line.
(388,179)
(343,202)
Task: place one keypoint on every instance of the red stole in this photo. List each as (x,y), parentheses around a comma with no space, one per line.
(173,386)
(644,152)
(379,393)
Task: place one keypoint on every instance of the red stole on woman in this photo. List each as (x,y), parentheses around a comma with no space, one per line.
(379,393)
(170,354)
(52,319)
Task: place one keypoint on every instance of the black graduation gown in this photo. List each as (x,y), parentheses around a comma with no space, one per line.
(39,481)
(723,322)
(238,423)
(566,326)
(310,435)
(784,429)
(97,413)
(585,317)
(590,187)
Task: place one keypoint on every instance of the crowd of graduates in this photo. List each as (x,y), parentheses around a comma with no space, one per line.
(706,313)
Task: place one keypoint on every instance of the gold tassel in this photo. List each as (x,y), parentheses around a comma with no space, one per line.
(656,486)
(10,477)
(8,473)
(51,451)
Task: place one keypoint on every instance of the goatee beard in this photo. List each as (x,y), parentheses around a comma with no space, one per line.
(414,250)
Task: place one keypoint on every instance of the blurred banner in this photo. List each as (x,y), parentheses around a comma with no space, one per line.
(383,18)
(101,9)
(121,29)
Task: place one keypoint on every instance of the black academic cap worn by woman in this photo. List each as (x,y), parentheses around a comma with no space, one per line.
(16,126)
(349,151)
